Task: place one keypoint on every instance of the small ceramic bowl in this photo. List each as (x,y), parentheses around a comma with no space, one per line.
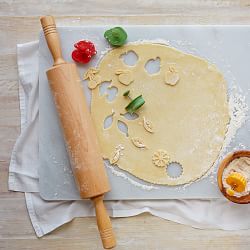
(229,158)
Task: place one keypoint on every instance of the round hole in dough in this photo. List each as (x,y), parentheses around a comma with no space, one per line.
(174,170)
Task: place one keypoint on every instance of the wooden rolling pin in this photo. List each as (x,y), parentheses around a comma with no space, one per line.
(79,133)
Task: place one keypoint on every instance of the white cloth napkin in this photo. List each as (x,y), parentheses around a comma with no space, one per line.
(46,216)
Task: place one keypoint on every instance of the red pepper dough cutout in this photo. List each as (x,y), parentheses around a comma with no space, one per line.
(83,52)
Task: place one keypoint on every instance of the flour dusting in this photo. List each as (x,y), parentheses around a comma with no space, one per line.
(158,40)
(238,115)
(238,109)
(133,182)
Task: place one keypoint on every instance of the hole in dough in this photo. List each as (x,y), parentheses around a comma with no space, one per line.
(130,58)
(122,126)
(103,87)
(174,170)
(110,92)
(108,121)
(130,116)
(152,66)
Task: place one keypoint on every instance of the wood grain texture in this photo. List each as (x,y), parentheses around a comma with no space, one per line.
(19,22)
(85,154)
(125,7)
(69,99)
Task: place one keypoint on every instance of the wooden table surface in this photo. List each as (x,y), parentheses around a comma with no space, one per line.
(19,23)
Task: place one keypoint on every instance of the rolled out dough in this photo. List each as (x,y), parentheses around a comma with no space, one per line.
(186,111)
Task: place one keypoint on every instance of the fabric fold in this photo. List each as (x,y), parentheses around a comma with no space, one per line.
(23,169)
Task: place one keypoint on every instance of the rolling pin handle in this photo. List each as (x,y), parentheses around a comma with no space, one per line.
(52,38)
(104,223)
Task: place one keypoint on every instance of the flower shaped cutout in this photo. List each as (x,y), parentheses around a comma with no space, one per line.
(160,158)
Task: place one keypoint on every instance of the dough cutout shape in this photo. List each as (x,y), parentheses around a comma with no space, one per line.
(184,118)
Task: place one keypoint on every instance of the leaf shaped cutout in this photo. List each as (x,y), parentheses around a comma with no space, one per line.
(115,156)
(108,121)
(138,142)
(122,126)
(148,125)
